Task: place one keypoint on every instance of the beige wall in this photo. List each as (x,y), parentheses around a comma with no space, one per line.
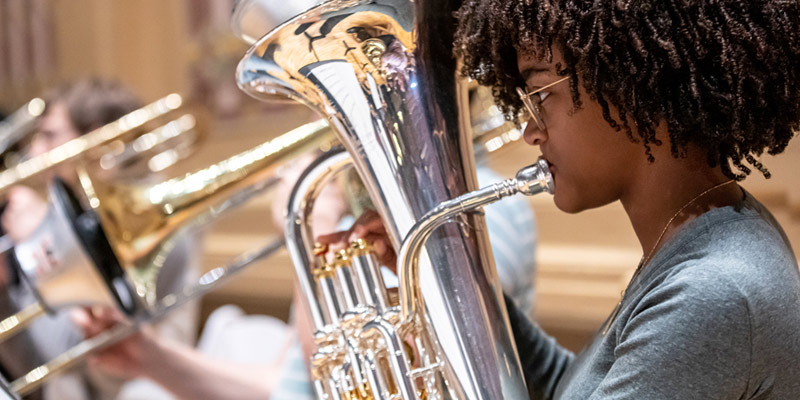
(143,43)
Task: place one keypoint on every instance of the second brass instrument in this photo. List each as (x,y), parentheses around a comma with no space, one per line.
(111,253)
(152,118)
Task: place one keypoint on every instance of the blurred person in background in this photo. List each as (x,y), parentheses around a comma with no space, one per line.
(72,111)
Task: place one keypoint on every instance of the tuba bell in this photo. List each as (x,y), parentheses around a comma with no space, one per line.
(381,72)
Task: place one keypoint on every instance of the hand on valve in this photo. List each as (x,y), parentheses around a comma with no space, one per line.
(368,227)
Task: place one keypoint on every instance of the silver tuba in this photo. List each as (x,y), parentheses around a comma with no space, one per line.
(382,73)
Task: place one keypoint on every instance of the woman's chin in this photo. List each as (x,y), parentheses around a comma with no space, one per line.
(567,204)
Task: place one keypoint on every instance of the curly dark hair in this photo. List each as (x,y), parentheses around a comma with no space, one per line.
(721,74)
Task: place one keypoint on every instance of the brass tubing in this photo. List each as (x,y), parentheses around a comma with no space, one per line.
(209,281)
(140,220)
(79,146)
(12,324)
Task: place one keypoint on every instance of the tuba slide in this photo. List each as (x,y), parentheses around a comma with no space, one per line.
(381,72)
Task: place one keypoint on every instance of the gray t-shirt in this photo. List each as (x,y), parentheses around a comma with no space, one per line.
(714,315)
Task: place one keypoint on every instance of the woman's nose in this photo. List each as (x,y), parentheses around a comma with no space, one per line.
(533,135)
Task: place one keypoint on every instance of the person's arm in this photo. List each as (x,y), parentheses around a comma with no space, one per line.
(178,368)
(543,360)
(189,374)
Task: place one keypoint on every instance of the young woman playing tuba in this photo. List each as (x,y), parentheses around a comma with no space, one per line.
(664,106)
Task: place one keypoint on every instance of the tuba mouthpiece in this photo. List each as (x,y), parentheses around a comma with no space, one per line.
(535,179)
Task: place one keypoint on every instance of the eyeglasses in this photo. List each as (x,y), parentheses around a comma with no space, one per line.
(534,103)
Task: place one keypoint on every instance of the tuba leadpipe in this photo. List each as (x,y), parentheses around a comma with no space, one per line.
(529,181)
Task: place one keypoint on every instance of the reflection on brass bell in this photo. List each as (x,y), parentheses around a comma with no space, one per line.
(374,49)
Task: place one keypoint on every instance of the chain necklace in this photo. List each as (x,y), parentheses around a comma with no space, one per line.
(644,260)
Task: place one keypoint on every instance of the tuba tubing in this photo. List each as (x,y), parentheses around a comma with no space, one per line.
(529,181)
(378,322)
(379,72)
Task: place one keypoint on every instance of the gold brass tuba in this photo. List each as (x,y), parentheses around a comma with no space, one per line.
(381,72)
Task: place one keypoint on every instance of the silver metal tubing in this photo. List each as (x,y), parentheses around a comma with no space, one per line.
(369,277)
(377,384)
(298,231)
(350,291)
(332,297)
(529,181)
(397,357)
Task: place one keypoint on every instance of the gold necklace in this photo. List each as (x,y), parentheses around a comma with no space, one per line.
(645,260)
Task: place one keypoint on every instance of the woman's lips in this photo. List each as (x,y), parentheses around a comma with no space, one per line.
(552,169)
(550,165)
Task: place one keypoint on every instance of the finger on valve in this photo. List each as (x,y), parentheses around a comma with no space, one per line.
(369,228)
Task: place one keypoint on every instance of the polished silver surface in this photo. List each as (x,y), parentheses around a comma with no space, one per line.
(253,19)
(380,72)
(529,181)
(300,239)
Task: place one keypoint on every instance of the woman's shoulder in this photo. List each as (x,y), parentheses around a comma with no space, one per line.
(743,242)
(735,262)
(731,260)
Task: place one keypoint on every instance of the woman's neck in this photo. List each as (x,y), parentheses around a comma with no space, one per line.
(670,192)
